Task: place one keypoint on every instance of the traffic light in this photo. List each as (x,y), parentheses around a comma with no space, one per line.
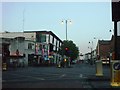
(66,51)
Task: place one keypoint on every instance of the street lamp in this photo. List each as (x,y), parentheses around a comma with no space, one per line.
(91,42)
(98,49)
(91,50)
(66,22)
(112,31)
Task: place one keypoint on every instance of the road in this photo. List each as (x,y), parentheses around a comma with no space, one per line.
(78,76)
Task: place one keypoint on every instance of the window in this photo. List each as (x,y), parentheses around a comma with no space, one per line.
(30,46)
(40,37)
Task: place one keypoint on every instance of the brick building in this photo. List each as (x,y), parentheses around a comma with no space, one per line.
(106,47)
(112,46)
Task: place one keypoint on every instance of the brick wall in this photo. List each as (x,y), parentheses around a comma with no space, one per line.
(107,46)
(104,49)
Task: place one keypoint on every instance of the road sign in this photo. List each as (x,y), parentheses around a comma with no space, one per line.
(116,66)
(115,73)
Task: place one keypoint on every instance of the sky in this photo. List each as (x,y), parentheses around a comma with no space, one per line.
(89,20)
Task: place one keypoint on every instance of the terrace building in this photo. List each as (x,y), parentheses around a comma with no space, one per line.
(39,46)
(47,45)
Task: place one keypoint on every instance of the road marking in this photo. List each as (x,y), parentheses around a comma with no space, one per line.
(29,76)
(80,75)
(87,86)
(85,77)
(63,75)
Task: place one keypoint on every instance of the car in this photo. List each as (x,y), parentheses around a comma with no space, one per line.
(105,62)
(74,61)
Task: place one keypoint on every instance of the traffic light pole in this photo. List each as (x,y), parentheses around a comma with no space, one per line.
(115,40)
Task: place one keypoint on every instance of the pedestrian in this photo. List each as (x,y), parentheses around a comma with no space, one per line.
(17,52)
(17,58)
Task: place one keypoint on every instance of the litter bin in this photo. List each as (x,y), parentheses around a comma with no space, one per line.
(99,68)
(115,72)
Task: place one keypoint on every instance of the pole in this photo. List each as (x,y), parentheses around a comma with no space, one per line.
(91,62)
(91,55)
(66,28)
(98,48)
(23,19)
(115,40)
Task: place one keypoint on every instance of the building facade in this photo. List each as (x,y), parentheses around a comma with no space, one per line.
(47,45)
(38,47)
(11,42)
(105,49)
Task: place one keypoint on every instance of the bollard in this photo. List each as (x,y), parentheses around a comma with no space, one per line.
(99,69)
(59,64)
(69,64)
(4,67)
(115,72)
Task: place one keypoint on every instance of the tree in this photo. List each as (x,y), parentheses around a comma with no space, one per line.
(69,49)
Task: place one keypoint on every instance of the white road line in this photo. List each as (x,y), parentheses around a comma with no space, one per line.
(80,75)
(28,76)
(63,75)
(84,77)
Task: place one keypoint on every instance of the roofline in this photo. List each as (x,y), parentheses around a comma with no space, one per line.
(47,32)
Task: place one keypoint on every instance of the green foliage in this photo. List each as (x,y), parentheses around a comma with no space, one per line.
(72,51)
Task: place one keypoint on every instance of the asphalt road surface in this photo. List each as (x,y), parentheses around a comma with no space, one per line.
(78,76)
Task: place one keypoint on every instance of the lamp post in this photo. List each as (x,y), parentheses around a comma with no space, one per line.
(98,48)
(91,51)
(66,22)
(115,40)
(112,49)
